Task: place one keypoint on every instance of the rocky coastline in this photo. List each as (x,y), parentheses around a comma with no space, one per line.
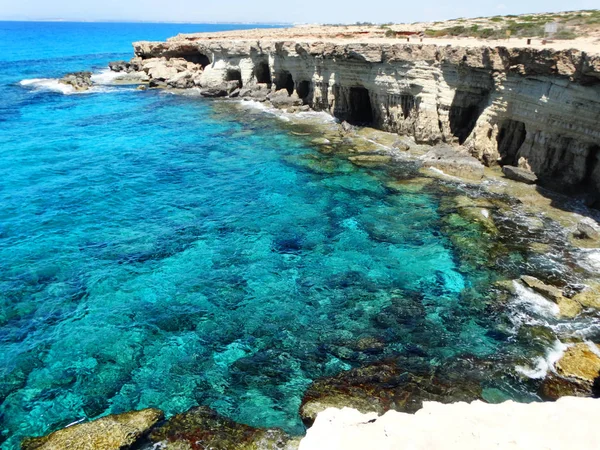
(523,116)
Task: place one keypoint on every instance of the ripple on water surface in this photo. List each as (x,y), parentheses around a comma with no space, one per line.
(165,251)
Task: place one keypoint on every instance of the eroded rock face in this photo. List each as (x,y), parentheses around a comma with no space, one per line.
(107,433)
(502,104)
(384,386)
(202,428)
(453,162)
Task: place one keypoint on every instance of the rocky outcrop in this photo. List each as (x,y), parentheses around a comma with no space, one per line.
(566,424)
(202,428)
(383,386)
(502,104)
(567,307)
(519,174)
(453,162)
(81,81)
(108,433)
(576,373)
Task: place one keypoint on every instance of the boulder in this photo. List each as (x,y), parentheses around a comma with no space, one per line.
(119,66)
(182,80)
(453,162)
(590,296)
(588,229)
(81,81)
(577,373)
(346,127)
(214,92)
(257,91)
(107,433)
(402,146)
(235,93)
(550,292)
(282,100)
(203,428)
(519,174)
(384,386)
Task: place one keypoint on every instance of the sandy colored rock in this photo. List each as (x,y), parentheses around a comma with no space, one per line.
(590,296)
(580,362)
(370,159)
(463,426)
(569,308)
(550,292)
(107,433)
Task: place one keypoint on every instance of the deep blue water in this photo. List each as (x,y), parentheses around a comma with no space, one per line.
(167,251)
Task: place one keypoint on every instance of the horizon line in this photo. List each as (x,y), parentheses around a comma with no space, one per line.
(144,21)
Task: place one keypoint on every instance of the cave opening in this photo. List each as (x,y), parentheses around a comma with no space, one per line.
(510,138)
(465,110)
(234,75)
(262,73)
(408,104)
(303,89)
(197,58)
(360,111)
(284,80)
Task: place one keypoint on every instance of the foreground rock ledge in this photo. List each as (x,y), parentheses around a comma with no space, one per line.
(107,433)
(570,423)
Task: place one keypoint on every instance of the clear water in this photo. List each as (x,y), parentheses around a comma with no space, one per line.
(167,251)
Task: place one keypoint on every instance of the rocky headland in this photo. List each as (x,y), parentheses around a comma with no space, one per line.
(535,111)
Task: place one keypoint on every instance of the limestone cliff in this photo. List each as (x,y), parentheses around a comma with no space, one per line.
(502,104)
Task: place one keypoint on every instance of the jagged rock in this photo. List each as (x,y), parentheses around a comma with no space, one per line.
(182,80)
(577,374)
(203,428)
(119,66)
(519,174)
(235,93)
(588,229)
(550,292)
(453,162)
(214,92)
(107,433)
(346,127)
(281,99)
(383,386)
(81,81)
(258,91)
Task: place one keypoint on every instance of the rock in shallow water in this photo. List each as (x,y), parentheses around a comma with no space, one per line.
(519,174)
(385,386)
(202,428)
(107,433)
(453,162)
(81,81)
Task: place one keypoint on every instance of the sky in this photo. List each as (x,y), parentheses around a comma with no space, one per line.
(290,11)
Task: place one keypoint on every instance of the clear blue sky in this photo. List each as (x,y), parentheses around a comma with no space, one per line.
(290,11)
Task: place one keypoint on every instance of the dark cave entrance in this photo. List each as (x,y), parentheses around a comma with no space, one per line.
(510,138)
(284,80)
(197,58)
(234,75)
(303,89)
(408,104)
(262,73)
(360,111)
(465,110)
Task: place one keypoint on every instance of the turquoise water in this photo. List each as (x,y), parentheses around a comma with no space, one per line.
(168,251)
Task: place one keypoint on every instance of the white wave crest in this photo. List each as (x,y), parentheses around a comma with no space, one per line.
(105,76)
(48,84)
(542,365)
(535,303)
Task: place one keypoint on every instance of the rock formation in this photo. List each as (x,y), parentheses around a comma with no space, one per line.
(81,81)
(502,104)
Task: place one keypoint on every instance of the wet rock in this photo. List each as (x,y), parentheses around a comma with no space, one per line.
(577,373)
(568,308)
(282,100)
(588,229)
(202,428)
(346,127)
(119,66)
(550,292)
(453,162)
(383,386)
(214,92)
(258,92)
(590,296)
(370,159)
(107,433)
(519,174)
(81,81)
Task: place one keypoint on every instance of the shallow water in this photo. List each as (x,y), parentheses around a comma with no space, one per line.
(168,251)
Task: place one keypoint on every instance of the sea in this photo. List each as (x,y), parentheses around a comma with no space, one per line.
(169,251)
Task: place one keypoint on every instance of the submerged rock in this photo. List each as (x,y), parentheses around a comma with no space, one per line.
(577,373)
(202,428)
(81,81)
(519,174)
(384,386)
(107,433)
(370,160)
